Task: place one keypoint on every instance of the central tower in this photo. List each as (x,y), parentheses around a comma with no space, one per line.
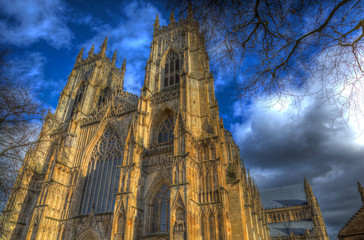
(183,176)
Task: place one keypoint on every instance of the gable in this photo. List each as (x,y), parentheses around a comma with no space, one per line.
(355,225)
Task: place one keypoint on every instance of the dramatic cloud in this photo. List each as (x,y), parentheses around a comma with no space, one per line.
(131,37)
(280,147)
(29,69)
(24,22)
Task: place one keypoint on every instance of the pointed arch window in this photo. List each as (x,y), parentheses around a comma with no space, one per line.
(171,68)
(104,96)
(161,210)
(165,133)
(78,98)
(79,95)
(103,175)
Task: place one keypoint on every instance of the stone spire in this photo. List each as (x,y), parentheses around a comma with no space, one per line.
(315,210)
(91,52)
(103,48)
(113,60)
(361,191)
(171,18)
(308,188)
(123,69)
(189,11)
(156,23)
(79,56)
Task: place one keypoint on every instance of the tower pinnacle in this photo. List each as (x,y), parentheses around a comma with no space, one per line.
(189,11)
(124,65)
(171,18)
(361,191)
(103,48)
(79,56)
(308,188)
(114,58)
(123,69)
(156,22)
(91,52)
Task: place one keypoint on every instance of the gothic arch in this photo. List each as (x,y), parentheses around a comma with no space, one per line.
(165,69)
(89,234)
(166,52)
(155,188)
(79,85)
(98,133)
(99,170)
(157,118)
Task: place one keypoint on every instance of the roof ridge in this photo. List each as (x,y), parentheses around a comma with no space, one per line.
(351,219)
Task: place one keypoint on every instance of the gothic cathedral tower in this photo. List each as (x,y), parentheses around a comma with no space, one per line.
(158,166)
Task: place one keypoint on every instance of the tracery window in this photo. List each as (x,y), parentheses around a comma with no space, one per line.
(165,133)
(161,210)
(171,69)
(102,177)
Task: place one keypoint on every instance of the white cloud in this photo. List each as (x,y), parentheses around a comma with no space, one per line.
(131,37)
(29,69)
(27,21)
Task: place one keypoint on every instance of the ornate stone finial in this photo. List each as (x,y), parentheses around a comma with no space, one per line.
(103,48)
(308,188)
(114,58)
(189,11)
(361,191)
(156,22)
(123,67)
(91,52)
(80,55)
(171,18)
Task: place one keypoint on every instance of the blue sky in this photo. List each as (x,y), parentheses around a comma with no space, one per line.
(279,141)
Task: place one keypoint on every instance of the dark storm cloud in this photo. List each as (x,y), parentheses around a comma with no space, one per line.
(282,147)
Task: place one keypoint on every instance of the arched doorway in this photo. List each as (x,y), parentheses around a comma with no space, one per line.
(89,235)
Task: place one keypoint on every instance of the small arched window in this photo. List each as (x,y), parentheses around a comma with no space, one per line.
(78,98)
(165,133)
(104,96)
(161,210)
(103,175)
(171,69)
(79,95)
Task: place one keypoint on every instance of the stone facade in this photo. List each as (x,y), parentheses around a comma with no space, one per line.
(117,166)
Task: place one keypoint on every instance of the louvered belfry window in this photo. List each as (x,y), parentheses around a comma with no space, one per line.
(166,130)
(171,69)
(103,175)
(161,210)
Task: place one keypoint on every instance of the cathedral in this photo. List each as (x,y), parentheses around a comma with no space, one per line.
(112,165)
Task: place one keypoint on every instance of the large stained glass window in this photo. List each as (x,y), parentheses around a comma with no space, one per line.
(161,210)
(171,69)
(103,175)
(166,130)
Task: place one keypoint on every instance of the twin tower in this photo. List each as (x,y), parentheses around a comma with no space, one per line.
(112,165)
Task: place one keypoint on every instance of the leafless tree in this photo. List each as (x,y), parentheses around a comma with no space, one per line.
(21,116)
(278,48)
